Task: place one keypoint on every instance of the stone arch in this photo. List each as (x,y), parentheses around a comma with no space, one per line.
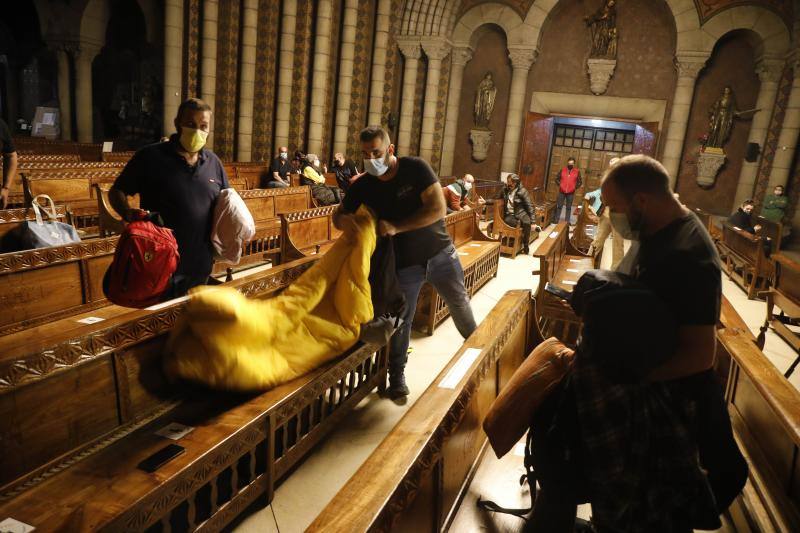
(772,33)
(94,22)
(517,32)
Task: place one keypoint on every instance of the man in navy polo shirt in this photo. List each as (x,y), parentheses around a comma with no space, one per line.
(181,180)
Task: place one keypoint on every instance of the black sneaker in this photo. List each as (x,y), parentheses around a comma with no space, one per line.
(397,386)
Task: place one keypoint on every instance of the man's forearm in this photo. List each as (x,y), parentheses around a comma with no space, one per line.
(424,217)
(9,169)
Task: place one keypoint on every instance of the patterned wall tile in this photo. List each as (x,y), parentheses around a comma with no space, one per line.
(191,48)
(441,111)
(331,86)
(520,6)
(773,132)
(708,8)
(226,113)
(391,86)
(266,79)
(301,75)
(419,100)
(362,65)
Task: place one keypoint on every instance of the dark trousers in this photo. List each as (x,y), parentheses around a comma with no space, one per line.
(443,271)
(275,184)
(560,201)
(525,222)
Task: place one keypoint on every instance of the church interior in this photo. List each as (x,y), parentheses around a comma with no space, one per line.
(456,131)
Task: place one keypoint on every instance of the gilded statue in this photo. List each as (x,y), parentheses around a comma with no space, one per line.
(484,101)
(603,25)
(720,119)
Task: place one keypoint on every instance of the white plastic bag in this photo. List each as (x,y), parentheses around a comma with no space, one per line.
(233,226)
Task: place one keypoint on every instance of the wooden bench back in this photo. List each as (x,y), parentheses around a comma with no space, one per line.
(38,145)
(461,226)
(253,174)
(745,245)
(551,252)
(787,278)
(47,283)
(67,185)
(773,230)
(305,232)
(584,227)
(122,157)
(765,413)
(12,218)
(268,204)
(418,475)
(64,391)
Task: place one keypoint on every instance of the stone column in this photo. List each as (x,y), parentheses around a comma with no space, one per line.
(436,51)
(769,72)
(173,62)
(521,61)
(345,89)
(412,52)
(64,93)
(208,63)
(689,66)
(83,90)
(379,62)
(247,79)
(461,56)
(787,141)
(319,79)
(284,99)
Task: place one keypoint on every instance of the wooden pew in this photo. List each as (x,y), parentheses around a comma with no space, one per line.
(419,474)
(74,468)
(41,285)
(510,238)
(479,256)
(764,411)
(711,223)
(785,295)
(39,145)
(771,230)
(122,157)
(307,232)
(585,228)
(745,259)
(561,264)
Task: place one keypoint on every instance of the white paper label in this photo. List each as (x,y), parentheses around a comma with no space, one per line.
(553,234)
(463,253)
(9,525)
(174,431)
(108,146)
(574,260)
(570,282)
(573,270)
(475,245)
(91,320)
(458,370)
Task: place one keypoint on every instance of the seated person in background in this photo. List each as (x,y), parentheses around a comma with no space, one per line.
(346,171)
(743,218)
(180,180)
(775,204)
(279,171)
(518,208)
(323,194)
(455,194)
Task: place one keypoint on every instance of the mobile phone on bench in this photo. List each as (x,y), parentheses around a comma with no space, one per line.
(161,457)
(555,290)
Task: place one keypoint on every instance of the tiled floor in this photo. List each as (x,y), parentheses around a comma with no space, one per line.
(306,492)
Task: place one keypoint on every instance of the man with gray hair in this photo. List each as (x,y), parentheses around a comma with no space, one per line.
(407,198)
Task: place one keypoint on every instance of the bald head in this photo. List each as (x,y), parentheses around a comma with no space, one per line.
(469,178)
(637,174)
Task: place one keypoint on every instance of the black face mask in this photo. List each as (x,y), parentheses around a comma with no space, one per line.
(569,167)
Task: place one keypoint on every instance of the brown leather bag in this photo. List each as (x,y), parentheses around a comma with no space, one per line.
(512,411)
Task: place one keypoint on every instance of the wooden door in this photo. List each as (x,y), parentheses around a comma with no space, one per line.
(536,141)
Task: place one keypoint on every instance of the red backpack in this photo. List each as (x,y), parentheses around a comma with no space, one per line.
(145,259)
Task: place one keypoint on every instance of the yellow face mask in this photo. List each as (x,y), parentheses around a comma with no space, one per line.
(193,139)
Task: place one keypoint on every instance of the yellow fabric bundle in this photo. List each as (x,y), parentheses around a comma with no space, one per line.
(227,341)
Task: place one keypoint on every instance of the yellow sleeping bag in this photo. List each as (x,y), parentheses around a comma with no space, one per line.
(227,341)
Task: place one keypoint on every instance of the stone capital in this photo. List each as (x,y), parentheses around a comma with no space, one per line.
(86,51)
(522,58)
(410,49)
(436,49)
(689,66)
(462,55)
(769,70)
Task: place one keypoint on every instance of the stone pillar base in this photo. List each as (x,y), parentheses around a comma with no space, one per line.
(600,72)
(481,139)
(708,164)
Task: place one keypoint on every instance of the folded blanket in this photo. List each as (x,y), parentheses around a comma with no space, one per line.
(227,341)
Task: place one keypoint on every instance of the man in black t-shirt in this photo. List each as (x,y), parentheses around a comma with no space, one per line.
(406,196)
(279,170)
(181,180)
(9,162)
(346,171)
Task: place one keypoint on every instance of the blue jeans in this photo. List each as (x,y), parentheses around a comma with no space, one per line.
(443,271)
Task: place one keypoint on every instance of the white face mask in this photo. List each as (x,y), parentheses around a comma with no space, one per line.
(377,167)
(284,155)
(621,224)
(467,186)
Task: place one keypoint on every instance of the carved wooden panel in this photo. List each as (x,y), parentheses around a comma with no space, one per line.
(262,208)
(143,387)
(536,140)
(30,294)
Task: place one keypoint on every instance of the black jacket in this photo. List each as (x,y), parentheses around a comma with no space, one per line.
(742,220)
(522,202)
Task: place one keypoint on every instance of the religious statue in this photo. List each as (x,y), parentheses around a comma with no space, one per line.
(720,119)
(484,101)
(603,25)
